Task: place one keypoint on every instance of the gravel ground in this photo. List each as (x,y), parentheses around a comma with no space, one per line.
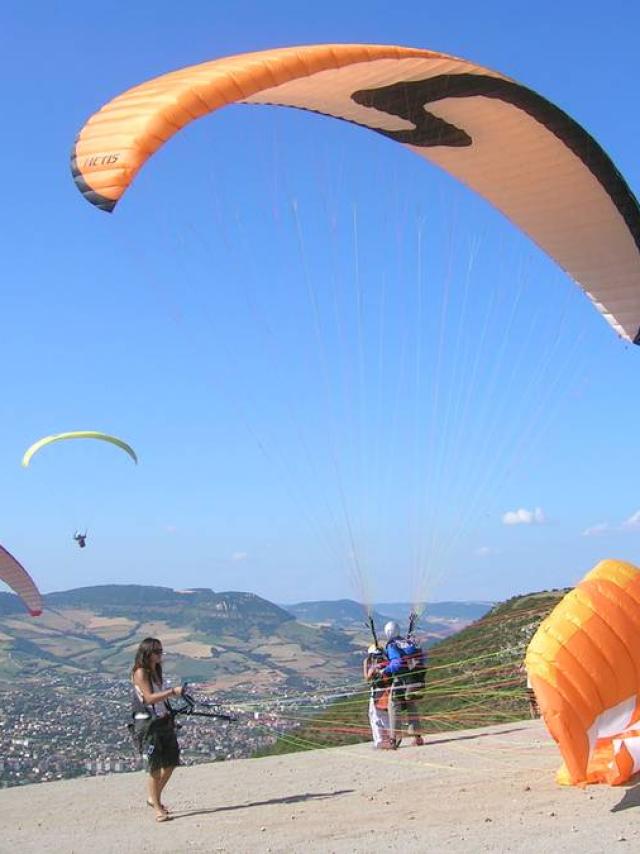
(478,790)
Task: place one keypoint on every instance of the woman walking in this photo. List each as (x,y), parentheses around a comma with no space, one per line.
(153,722)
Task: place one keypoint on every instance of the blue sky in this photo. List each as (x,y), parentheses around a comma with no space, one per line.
(283,451)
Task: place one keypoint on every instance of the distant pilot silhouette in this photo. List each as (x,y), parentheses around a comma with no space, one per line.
(81,539)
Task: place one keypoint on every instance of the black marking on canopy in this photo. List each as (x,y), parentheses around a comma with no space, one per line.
(87,191)
(408,100)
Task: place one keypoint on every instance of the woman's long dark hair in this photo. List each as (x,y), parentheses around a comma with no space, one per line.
(143,660)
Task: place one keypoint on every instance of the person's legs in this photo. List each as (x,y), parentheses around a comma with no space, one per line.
(397,709)
(170,753)
(413,717)
(379,720)
(163,755)
(383,717)
(374,723)
(154,789)
(393,715)
(165,773)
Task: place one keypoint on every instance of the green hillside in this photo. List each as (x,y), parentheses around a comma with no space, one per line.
(474,678)
(235,642)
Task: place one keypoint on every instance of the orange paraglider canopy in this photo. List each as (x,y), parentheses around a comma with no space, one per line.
(519,151)
(584,666)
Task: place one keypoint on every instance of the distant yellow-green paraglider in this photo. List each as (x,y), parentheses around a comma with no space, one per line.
(77,434)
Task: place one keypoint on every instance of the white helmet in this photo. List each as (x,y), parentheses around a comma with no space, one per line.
(391,630)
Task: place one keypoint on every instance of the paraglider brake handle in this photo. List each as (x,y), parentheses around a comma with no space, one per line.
(188,705)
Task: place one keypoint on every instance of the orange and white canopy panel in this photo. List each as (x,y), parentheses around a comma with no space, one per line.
(515,148)
(584,666)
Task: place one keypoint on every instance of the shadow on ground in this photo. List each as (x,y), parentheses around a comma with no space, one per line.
(291,799)
(472,737)
(630,799)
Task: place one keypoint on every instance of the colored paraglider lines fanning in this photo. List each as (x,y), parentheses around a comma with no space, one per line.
(432,492)
(463,691)
(496,678)
(339,535)
(269,445)
(351,97)
(342,552)
(528,426)
(309,722)
(353,551)
(430,557)
(354,693)
(432,484)
(273,451)
(353,367)
(477,710)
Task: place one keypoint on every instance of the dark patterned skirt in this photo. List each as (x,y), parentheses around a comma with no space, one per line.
(159,744)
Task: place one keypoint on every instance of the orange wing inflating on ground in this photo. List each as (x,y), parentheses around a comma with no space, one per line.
(584,666)
(17,577)
(515,148)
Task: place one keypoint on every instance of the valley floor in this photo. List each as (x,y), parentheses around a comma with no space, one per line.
(480,790)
